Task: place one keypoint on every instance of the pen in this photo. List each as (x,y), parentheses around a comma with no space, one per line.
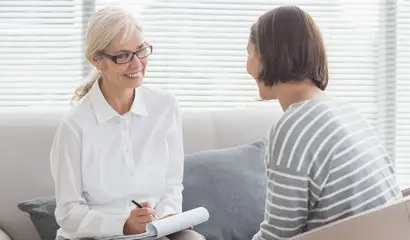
(140,206)
(137,204)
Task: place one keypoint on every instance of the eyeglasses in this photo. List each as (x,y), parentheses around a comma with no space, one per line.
(127,57)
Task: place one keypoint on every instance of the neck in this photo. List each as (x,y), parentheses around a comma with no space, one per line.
(119,99)
(294,92)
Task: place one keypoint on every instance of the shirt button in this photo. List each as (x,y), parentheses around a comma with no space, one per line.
(126,150)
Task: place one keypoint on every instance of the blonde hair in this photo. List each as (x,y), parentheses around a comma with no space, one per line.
(103,26)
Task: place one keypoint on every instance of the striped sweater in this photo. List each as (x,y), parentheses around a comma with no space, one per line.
(324,163)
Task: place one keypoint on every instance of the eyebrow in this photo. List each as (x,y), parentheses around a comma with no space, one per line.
(127,51)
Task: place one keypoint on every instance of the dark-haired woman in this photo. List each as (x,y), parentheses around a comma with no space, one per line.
(324,161)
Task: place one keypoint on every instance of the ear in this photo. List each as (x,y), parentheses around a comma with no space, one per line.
(96,60)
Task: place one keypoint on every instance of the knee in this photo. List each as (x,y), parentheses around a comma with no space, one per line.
(189,235)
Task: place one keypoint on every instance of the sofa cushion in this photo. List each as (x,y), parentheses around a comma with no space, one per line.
(231,184)
(41,213)
(406,192)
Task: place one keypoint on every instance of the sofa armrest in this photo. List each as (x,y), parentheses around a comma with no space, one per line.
(4,236)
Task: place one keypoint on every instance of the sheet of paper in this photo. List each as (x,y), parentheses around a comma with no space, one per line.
(181,221)
(129,237)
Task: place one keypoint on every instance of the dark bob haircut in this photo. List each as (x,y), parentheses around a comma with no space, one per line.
(290,47)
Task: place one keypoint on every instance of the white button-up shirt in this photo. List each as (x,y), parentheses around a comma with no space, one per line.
(100,161)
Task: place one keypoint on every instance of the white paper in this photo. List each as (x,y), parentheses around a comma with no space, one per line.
(181,221)
(169,225)
(129,237)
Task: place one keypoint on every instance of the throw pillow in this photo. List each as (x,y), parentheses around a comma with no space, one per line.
(231,184)
(41,213)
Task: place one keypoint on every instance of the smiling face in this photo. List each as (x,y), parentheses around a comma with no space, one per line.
(116,71)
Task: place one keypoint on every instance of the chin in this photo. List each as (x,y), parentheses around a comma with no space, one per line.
(134,83)
(266,96)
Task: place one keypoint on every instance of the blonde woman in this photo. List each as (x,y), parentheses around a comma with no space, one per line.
(121,142)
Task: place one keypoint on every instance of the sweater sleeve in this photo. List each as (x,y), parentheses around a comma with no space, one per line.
(290,190)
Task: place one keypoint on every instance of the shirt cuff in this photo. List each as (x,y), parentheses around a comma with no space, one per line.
(115,225)
(165,210)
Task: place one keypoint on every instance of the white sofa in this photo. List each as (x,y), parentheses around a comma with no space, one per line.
(26,136)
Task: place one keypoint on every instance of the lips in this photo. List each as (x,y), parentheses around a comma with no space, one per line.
(133,75)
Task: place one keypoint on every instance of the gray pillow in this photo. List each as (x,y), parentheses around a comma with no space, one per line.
(42,216)
(231,184)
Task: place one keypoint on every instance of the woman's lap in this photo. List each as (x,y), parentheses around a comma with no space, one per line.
(183,235)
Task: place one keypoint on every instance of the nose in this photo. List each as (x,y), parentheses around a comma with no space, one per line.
(136,62)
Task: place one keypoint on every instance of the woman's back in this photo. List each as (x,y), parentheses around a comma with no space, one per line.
(324,163)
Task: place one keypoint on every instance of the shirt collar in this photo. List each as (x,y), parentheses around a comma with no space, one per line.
(105,112)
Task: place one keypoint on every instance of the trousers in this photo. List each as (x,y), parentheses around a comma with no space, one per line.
(182,235)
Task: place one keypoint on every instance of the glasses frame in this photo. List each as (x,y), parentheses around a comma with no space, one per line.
(114,57)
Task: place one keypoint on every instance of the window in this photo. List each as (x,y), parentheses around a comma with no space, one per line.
(402,113)
(200,55)
(41,45)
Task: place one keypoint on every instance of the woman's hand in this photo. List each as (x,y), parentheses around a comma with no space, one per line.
(138,219)
(169,215)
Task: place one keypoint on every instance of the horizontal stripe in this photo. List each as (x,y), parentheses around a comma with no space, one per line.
(290,176)
(287,229)
(284,186)
(285,208)
(272,235)
(286,219)
(287,198)
(352,160)
(354,184)
(352,196)
(353,147)
(283,174)
(330,218)
(370,163)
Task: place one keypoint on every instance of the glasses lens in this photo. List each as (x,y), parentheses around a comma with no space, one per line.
(144,52)
(124,58)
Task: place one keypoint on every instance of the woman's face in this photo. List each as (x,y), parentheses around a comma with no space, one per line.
(254,67)
(124,74)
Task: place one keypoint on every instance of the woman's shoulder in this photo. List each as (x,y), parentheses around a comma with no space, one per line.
(156,95)
(314,107)
(315,113)
(77,113)
(321,103)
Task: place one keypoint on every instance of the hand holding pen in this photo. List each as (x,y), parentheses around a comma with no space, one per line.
(138,219)
(144,205)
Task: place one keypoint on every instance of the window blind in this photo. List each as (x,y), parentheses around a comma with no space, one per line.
(403,96)
(200,55)
(41,45)
(200,48)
